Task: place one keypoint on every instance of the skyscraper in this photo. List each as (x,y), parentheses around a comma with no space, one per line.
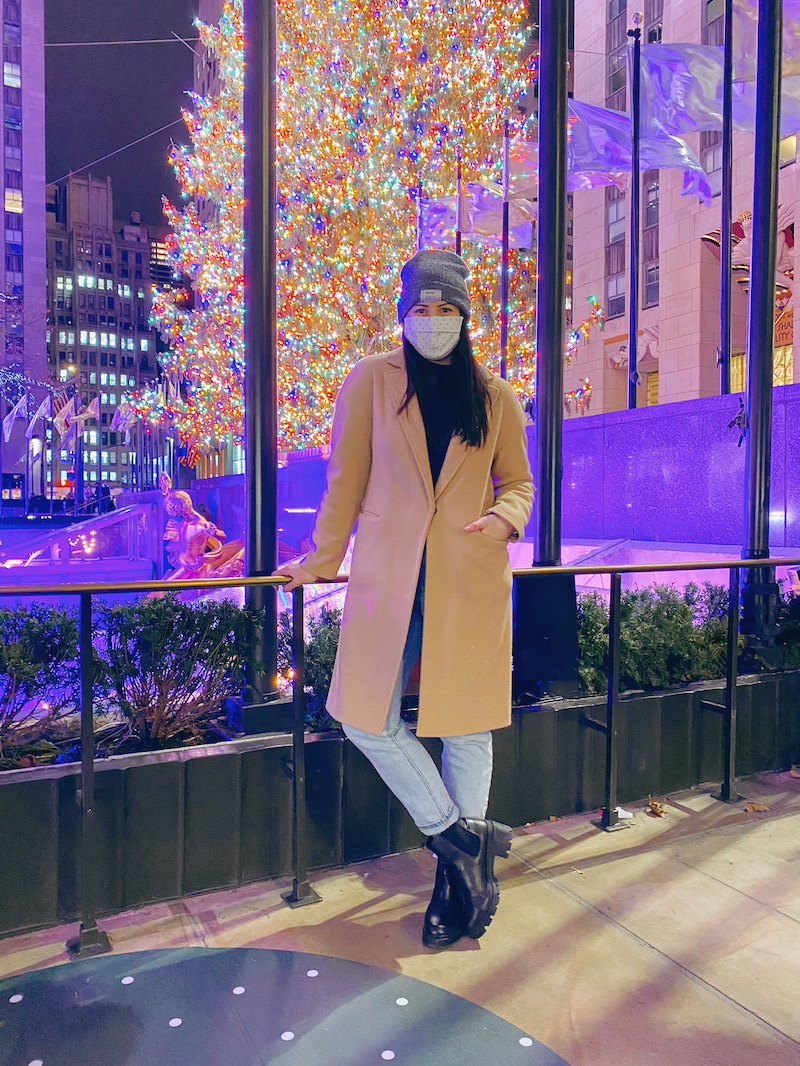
(22,267)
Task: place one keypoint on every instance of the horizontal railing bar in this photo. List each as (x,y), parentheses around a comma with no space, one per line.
(593,723)
(341,579)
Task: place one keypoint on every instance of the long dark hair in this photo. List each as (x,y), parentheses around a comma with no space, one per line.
(472,397)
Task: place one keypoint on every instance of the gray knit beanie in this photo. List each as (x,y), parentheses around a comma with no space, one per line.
(434,275)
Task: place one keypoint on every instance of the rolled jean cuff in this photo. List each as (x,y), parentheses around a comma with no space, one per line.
(444,823)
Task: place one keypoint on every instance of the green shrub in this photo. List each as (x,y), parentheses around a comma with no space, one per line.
(169,664)
(322,640)
(592,641)
(39,674)
(667,638)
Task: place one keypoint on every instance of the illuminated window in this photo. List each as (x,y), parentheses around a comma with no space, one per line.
(652,389)
(104,340)
(14,201)
(104,379)
(144,344)
(782,365)
(12,75)
(737,372)
(60,282)
(92,337)
(84,337)
(68,284)
(787,150)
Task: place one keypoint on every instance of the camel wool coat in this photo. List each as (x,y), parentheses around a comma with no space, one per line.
(379,475)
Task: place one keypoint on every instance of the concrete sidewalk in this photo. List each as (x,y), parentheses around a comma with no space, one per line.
(675,942)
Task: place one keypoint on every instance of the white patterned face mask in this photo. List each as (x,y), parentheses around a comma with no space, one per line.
(433,336)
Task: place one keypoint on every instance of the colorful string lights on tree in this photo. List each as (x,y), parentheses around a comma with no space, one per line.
(375,96)
(597,317)
(579,398)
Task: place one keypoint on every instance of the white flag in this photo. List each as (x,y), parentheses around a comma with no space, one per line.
(20,410)
(44,410)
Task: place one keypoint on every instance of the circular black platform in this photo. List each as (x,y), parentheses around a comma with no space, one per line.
(246,1007)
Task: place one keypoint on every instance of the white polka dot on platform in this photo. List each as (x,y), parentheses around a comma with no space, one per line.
(402,1002)
(126,981)
(387,1055)
(287,1036)
(312,973)
(175,1022)
(36,1062)
(526,1041)
(15,999)
(239,990)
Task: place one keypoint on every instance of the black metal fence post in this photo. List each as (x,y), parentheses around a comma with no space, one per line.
(90,940)
(301,892)
(609,818)
(727,792)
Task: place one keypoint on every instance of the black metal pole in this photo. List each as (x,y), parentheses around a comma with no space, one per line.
(635,36)
(609,818)
(504,263)
(727,791)
(459,214)
(726,207)
(260,334)
(760,593)
(90,940)
(551,256)
(301,892)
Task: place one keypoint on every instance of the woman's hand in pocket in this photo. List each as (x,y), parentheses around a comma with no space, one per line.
(492,526)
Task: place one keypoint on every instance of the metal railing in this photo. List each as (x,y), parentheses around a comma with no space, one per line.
(91,940)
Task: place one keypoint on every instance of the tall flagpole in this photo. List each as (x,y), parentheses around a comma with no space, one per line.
(551,250)
(634,97)
(726,207)
(459,215)
(760,592)
(504,262)
(260,336)
(419,215)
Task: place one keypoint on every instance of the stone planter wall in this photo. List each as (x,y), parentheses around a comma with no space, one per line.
(179,822)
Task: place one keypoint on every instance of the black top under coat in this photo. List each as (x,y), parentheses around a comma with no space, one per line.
(435,386)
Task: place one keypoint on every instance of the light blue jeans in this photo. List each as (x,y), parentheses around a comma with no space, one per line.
(435,801)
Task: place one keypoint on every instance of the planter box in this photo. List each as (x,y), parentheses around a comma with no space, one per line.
(178,822)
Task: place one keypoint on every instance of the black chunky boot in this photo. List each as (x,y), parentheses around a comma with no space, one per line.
(469,848)
(444,918)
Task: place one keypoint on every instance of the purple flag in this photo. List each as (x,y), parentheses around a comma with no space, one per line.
(682,92)
(523,158)
(600,142)
(486,225)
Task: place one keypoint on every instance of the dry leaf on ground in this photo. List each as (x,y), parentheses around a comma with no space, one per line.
(795,771)
(655,808)
(753,808)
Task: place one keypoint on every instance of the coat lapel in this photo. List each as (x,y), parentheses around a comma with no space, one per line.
(411,419)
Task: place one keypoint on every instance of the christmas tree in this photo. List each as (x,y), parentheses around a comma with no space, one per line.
(376,97)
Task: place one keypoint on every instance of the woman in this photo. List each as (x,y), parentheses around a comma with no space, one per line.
(428,454)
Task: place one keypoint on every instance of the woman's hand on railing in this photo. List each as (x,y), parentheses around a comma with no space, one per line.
(297,574)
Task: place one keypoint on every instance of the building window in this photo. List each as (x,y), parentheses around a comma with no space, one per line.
(737,372)
(711,158)
(713,22)
(652,389)
(782,365)
(13,201)
(615,296)
(617,53)
(650,239)
(787,150)
(12,75)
